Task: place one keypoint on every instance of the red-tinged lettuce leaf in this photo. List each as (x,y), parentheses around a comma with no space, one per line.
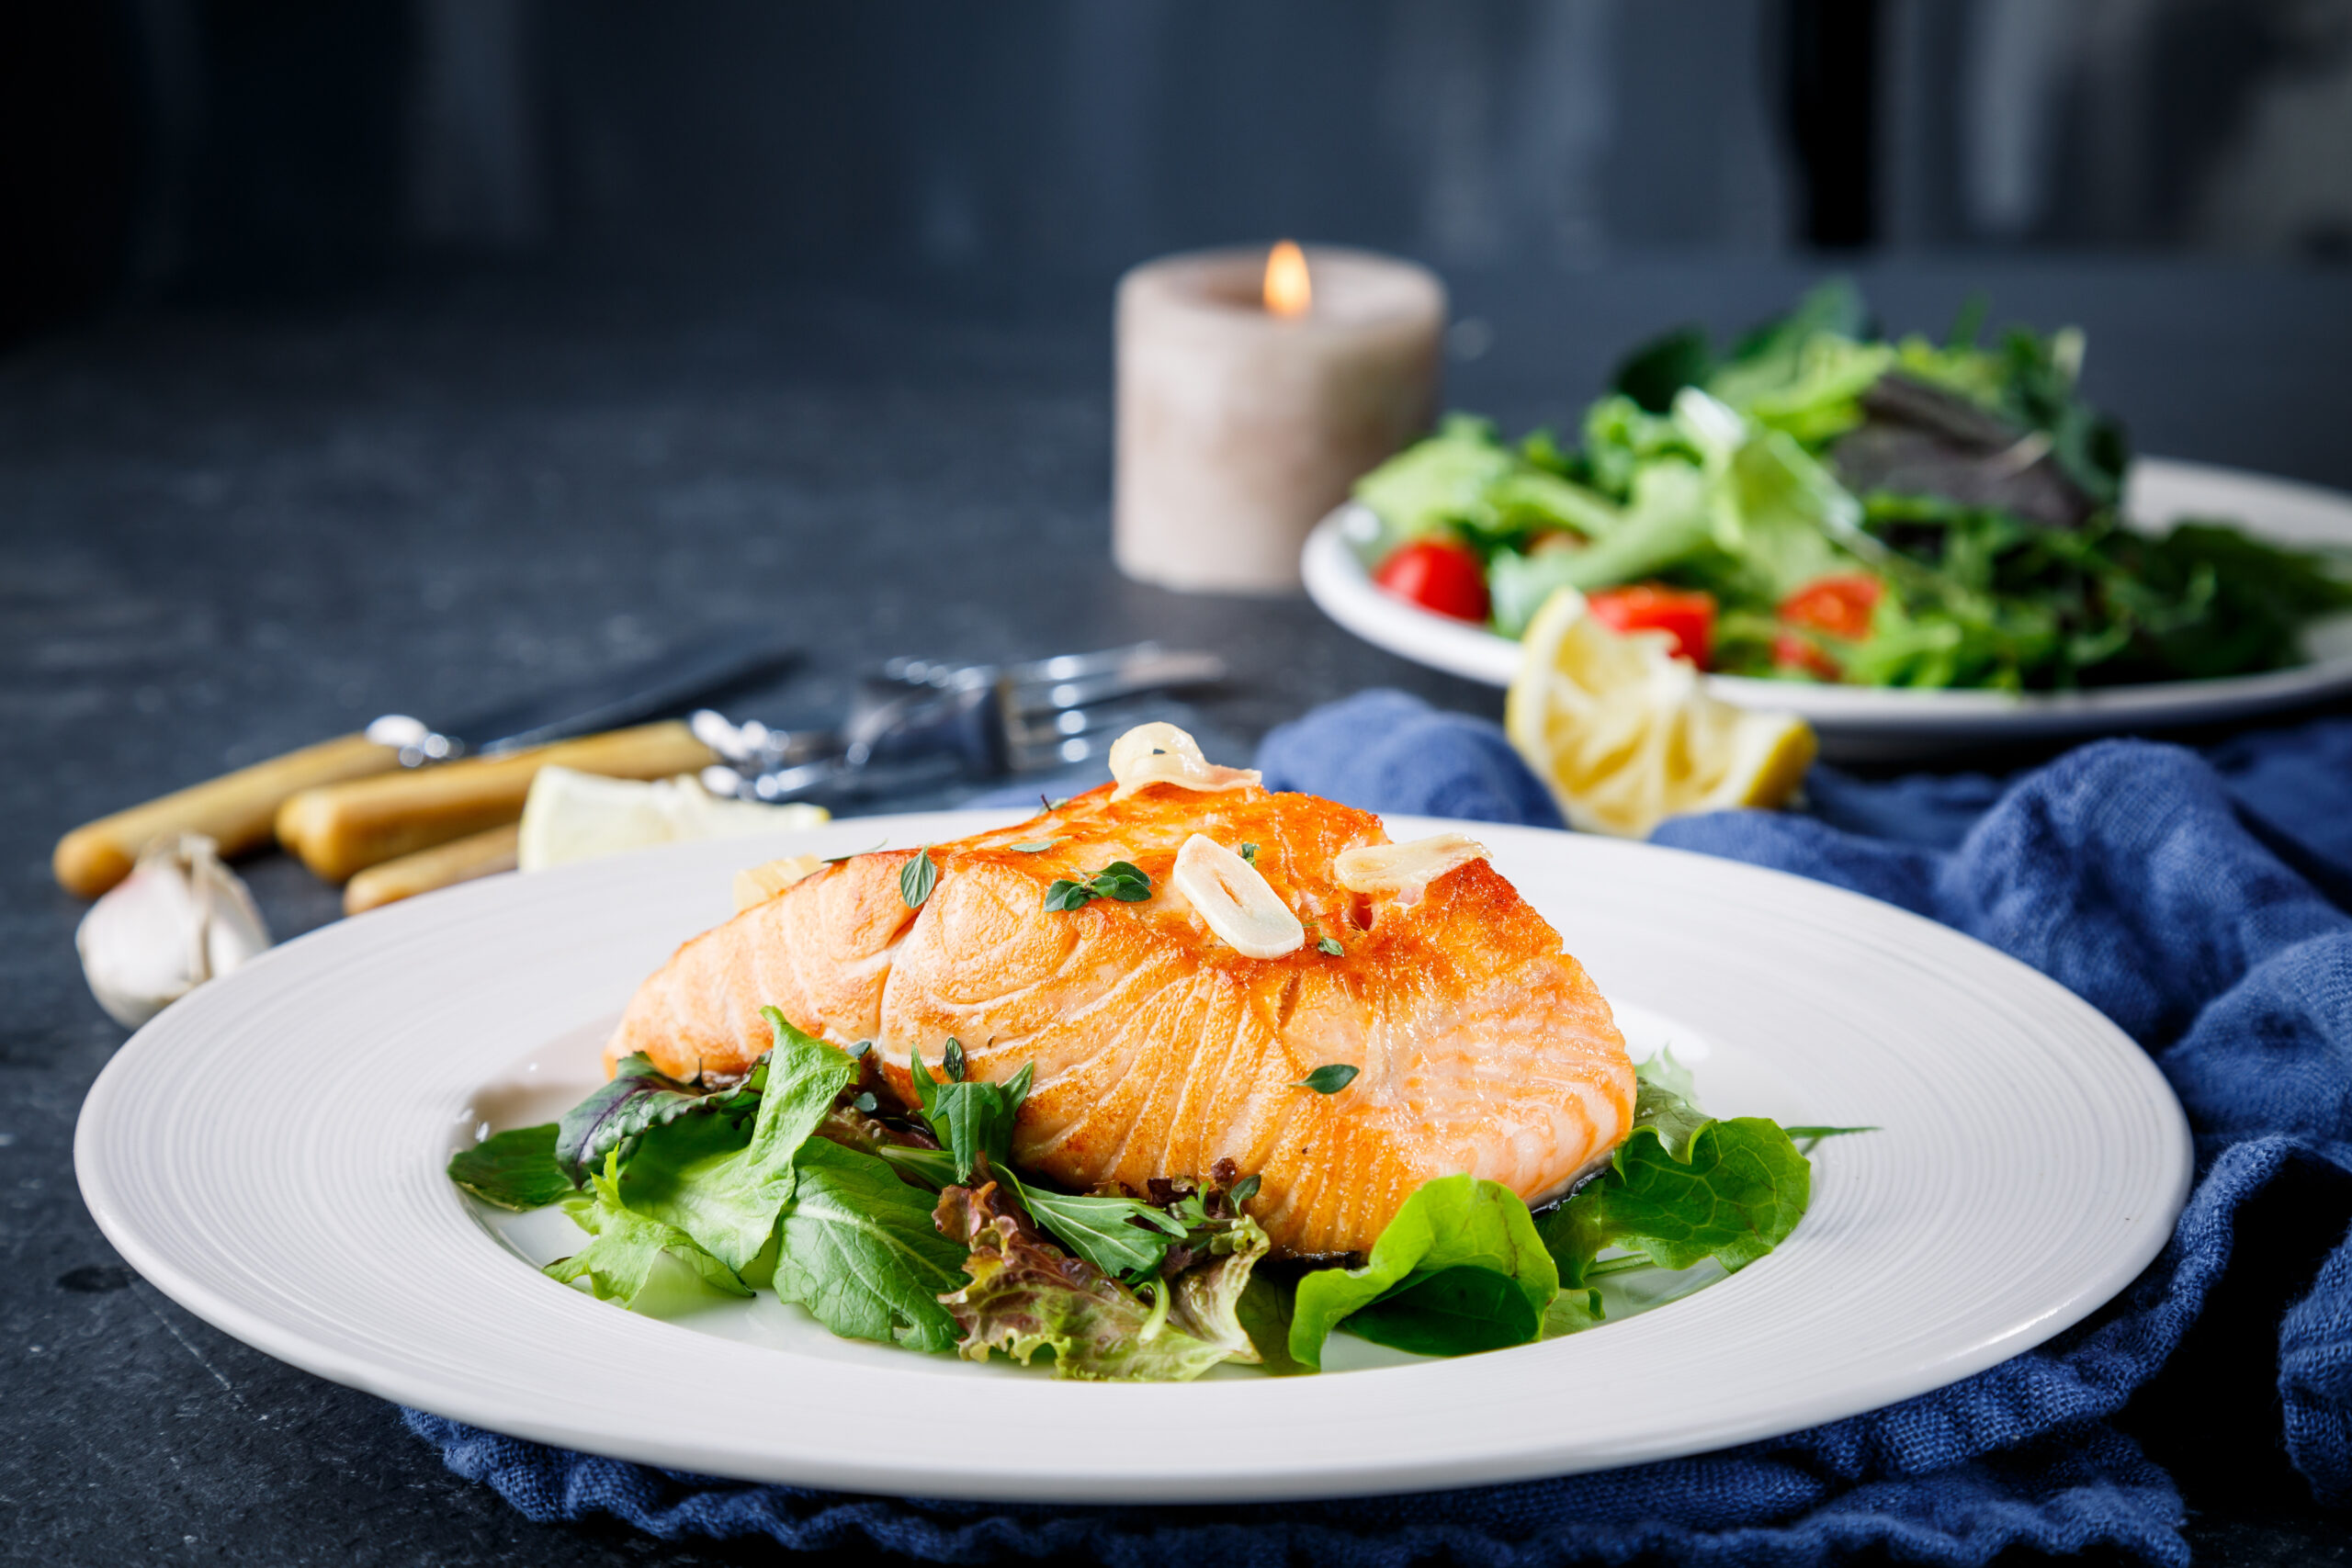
(636,1097)
(856,1248)
(1455,1221)
(620,1260)
(514,1169)
(1026,1295)
(698,1174)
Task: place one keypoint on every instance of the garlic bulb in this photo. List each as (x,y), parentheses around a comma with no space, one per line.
(179,918)
(1162,753)
(1402,871)
(1237,902)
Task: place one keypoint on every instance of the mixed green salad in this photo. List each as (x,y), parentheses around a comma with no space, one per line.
(1822,503)
(916,1229)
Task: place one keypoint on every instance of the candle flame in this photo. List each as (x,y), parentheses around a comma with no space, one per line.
(1289,292)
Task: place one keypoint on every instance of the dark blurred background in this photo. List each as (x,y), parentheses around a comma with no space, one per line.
(201,150)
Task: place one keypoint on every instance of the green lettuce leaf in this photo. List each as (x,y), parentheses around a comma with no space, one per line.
(514,1169)
(857,1248)
(1453,1221)
(698,1174)
(1682,1187)
(620,1260)
(1023,1295)
(1457,1311)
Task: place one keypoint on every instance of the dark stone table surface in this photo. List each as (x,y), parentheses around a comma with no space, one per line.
(226,533)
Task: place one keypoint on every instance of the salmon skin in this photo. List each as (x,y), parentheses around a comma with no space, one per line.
(1481,1045)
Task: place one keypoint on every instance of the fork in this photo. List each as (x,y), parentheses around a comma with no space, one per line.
(987,719)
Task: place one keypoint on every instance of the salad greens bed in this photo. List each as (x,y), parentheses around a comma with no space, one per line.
(1820,503)
(917,1230)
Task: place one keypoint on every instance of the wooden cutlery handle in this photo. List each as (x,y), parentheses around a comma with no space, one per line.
(346,828)
(459,860)
(236,810)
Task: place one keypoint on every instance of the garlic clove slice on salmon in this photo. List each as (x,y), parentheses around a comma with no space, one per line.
(1234,901)
(1162,753)
(1403,870)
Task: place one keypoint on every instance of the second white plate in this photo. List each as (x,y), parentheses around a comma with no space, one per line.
(1860,722)
(269,1153)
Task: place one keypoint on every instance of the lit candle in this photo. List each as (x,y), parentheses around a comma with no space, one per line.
(1253,388)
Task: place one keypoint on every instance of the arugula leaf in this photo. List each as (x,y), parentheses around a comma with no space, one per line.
(619,1262)
(1329,1078)
(725,1194)
(1452,1221)
(916,878)
(514,1169)
(856,1248)
(636,1097)
(1121,1236)
(934,1168)
(1458,1310)
(1025,1295)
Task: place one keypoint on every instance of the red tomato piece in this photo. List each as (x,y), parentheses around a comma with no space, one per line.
(1839,606)
(1790,652)
(1688,618)
(1437,575)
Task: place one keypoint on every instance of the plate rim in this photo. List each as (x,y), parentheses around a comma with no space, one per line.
(1305,1479)
(1340,587)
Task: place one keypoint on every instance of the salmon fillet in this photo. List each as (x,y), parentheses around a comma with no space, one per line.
(1481,1045)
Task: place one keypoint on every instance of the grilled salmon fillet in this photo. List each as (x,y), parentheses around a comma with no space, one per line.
(1481,1045)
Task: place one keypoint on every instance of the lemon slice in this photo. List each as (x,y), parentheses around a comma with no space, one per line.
(571,816)
(1626,736)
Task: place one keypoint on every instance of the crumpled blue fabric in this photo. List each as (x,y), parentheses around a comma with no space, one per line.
(2200,901)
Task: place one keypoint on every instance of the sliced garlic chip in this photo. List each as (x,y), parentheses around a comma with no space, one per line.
(1226,892)
(1162,753)
(1402,871)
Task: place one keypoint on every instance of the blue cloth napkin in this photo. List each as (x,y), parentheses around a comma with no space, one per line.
(2199,901)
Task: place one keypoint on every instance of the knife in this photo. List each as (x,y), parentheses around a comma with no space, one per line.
(240,811)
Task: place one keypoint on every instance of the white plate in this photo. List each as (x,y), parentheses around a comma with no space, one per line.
(268,1152)
(1865,721)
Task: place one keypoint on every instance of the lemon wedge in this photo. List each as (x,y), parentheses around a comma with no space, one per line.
(1626,736)
(571,816)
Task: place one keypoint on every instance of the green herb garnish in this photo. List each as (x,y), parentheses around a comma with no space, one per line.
(1034,846)
(916,878)
(1330,944)
(1249,855)
(1329,1079)
(1120,880)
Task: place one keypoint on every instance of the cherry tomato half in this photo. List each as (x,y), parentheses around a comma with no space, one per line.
(1438,575)
(1838,605)
(1688,618)
(1790,652)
